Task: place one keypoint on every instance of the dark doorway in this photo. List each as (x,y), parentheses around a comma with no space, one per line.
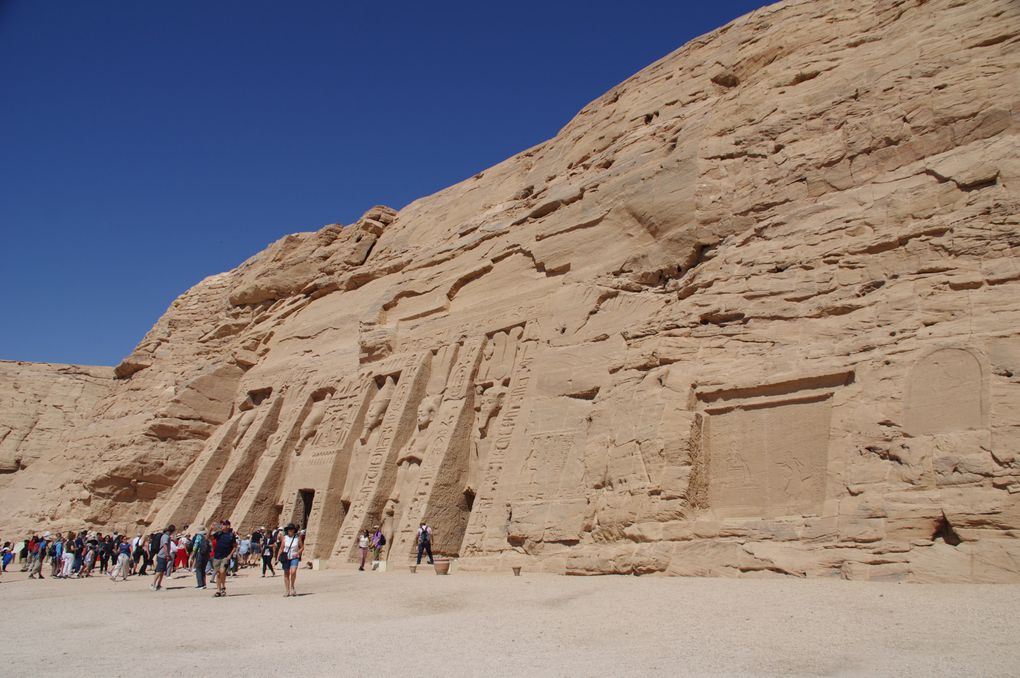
(305,498)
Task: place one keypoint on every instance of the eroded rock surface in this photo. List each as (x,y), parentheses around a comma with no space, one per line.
(752,312)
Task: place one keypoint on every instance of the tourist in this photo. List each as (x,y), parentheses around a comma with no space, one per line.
(140,556)
(171,564)
(256,543)
(201,548)
(378,542)
(223,550)
(363,542)
(244,548)
(78,547)
(8,556)
(106,551)
(291,546)
(123,558)
(89,558)
(37,551)
(55,551)
(181,555)
(425,542)
(267,556)
(67,556)
(154,540)
(163,560)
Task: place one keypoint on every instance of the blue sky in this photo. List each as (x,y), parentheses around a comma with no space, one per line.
(146,145)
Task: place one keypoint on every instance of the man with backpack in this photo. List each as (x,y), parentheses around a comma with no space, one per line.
(201,547)
(55,551)
(163,562)
(425,542)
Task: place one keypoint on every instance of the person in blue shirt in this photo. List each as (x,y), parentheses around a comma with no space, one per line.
(58,552)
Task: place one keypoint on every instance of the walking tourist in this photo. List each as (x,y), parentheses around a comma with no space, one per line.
(122,567)
(163,561)
(224,549)
(267,556)
(201,548)
(291,546)
(243,549)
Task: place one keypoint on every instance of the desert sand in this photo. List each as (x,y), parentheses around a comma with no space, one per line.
(351,623)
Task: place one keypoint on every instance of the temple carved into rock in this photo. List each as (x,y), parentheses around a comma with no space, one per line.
(754,311)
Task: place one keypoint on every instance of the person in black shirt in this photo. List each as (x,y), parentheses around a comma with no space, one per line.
(225,546)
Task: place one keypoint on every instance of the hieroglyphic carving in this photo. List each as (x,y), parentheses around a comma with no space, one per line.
(485,499)
(545,464)
(769,458)
(417,490)
(429,335)
(334,446)
(337,419)
(362,501)
(549,504)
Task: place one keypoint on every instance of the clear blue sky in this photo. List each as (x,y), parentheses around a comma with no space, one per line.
(146,145)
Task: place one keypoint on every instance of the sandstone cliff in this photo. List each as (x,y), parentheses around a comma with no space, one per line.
(753,311)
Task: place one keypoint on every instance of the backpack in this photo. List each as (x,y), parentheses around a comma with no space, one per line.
(203,546)
(424,536)
(382,540)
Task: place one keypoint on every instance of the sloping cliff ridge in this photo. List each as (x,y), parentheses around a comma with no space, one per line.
(753,311)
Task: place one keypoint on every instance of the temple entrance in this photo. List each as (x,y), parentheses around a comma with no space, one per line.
(303,508)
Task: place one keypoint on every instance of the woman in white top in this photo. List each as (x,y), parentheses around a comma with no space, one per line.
(289,547)
(363,547)
(67,560)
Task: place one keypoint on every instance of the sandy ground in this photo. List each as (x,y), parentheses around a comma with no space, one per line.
(361,624)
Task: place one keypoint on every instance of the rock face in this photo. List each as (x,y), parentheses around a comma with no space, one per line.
(41,406)
(753,311)
(42,402)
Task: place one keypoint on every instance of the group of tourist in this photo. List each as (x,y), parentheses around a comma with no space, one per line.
(214,552)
